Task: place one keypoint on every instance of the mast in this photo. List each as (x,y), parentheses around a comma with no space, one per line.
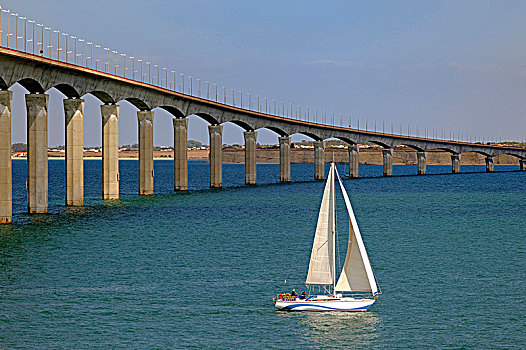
(333,228)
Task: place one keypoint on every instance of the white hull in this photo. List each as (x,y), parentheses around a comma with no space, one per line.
(336,304)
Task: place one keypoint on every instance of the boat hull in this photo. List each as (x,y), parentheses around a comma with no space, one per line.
(341,304)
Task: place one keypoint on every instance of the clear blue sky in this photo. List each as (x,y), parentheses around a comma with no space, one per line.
(457,65)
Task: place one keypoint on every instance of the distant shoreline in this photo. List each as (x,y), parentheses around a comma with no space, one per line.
(373,156)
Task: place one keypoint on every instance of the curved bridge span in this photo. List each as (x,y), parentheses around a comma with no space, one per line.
(39,74)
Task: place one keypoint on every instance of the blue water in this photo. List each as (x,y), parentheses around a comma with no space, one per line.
(199,269)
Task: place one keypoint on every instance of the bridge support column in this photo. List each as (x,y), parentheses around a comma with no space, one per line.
(74,112)
(250,157)
(110,151)
(214,157)
(37,167)
(490,165)
(284,159)
(422,159)
(388,161)
(354,154)
(522,163)
(455,163)
(180,154)
(145,119)
(319,160)
(6,189)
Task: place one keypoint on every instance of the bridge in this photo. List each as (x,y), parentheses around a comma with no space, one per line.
(79,75)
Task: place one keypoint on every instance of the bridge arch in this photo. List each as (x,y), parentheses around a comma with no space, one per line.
(140,104)
(104,97)
(381,144)
(308,134)
(3,84)
(242,124)
(68,90)
(478,152)
(173,111)
(208,118)
(346,140)
(413,147)
(32,86)
(278,131)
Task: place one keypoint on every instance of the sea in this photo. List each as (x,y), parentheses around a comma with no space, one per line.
(198,270)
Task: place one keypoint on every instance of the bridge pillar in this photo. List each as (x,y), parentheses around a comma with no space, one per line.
(250,157)
(6,189)
(354,154)
(110,151)
(388,161)
(74,113)
(284,159)
(522,163)
(490,165)
(422,159)
(214,157)
(319,160)
(180,154)
(37,167)
(145,119)
(455,163)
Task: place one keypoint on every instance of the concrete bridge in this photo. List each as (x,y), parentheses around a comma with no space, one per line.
(39,74)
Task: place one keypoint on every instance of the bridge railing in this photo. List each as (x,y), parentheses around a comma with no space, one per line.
(24,35)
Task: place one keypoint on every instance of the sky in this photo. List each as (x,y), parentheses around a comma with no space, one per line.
(443,65)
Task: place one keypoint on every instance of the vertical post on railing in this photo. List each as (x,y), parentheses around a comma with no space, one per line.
(175,82)
(216,91)
(198,87)
(8,27)
(90,54)
(83,63)
(224,95)
(182,83)
(191,85)
(108,63)
(149,72)
(67,53)
(99,62)
(233,97)
(25,33)
(207,89)
(49,46)
(133,66)
(16,31)
(141,76)
(123,65)
(1,25)
(58,44)
(33,39)
(165,78)
(158,76)
(116,60)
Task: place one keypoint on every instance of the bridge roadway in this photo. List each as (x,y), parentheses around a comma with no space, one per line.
(38,74)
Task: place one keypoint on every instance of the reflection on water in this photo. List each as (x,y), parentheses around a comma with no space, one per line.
(337,329)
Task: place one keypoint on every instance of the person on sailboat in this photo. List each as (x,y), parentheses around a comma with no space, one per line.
(293,293)
(303,295)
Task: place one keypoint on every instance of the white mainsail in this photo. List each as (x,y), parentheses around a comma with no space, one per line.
(321,266)
(357,273)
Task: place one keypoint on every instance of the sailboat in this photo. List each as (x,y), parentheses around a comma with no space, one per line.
(356,277)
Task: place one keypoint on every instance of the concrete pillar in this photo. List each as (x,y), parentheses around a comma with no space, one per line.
(522,164)
(6,189)
(250,157)
(354,154)
(74,113)
(110,151)
(319,160)
(388,161)
(214,157)
(489,164)
(180,154)
(145,119)
(37,167)
(422,159)
(455,163)
(284,159)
